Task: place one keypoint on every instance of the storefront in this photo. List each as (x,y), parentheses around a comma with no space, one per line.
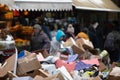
(32,9)
(96,5)
(106,7)
(90,10)
(36,8)
(5,14)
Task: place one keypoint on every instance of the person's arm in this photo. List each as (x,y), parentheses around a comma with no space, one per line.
(46,42)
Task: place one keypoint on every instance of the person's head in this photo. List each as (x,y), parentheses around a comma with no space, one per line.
(39,20)
(60,35)
(85,30)
(70,28)
(55,26)
(37,28)
(82,35)
(95,24)
(115,25)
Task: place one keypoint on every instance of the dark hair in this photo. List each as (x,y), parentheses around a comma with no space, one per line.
(115,24)
(93,22)
(85,30)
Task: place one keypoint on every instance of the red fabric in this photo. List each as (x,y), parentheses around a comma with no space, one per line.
(69,66)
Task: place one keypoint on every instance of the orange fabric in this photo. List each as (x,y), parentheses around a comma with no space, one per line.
(82,35)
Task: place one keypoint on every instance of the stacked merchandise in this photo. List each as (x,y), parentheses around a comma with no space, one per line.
(81,62)
(7,45)
(22,35)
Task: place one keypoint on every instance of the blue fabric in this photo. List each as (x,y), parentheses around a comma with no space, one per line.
(81,66)
(72,58)
(59,34)
(21,54)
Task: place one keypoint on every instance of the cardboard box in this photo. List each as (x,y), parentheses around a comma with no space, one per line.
(114,64)
(78,50)
(102,66)
(23,78)
(8,65)
(70,42)
(113,77)
(41,72)
(66,75)
(38,77)
(23,53)
(11,75)
(27,64)
(85,43)
(43,51)
(53,77)
(114,73)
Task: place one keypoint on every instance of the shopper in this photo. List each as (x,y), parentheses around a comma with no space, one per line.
(56,42)
(83,34)
(46,29)
(39,39)
(95,34)
(69,32)
(54,30)
(112,44)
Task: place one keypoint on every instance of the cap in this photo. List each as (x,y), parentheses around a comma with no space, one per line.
(37,26)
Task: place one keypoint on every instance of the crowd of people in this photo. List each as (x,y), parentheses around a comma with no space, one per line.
(50,35)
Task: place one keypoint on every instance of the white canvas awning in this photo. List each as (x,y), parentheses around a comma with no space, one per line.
(44,5)
(9,3)
(97,5)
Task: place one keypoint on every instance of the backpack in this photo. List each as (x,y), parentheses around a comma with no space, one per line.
(112,41)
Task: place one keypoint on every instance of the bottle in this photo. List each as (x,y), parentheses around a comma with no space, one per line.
(103,54)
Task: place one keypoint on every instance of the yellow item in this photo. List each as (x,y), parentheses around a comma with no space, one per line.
(82,35)
(90,72)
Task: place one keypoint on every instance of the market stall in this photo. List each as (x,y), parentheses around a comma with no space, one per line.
(8,50)
(44,5)
(100,5)
(22,35)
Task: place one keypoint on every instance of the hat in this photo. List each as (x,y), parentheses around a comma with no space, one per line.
(82,35)
(59,34)
(37,26)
